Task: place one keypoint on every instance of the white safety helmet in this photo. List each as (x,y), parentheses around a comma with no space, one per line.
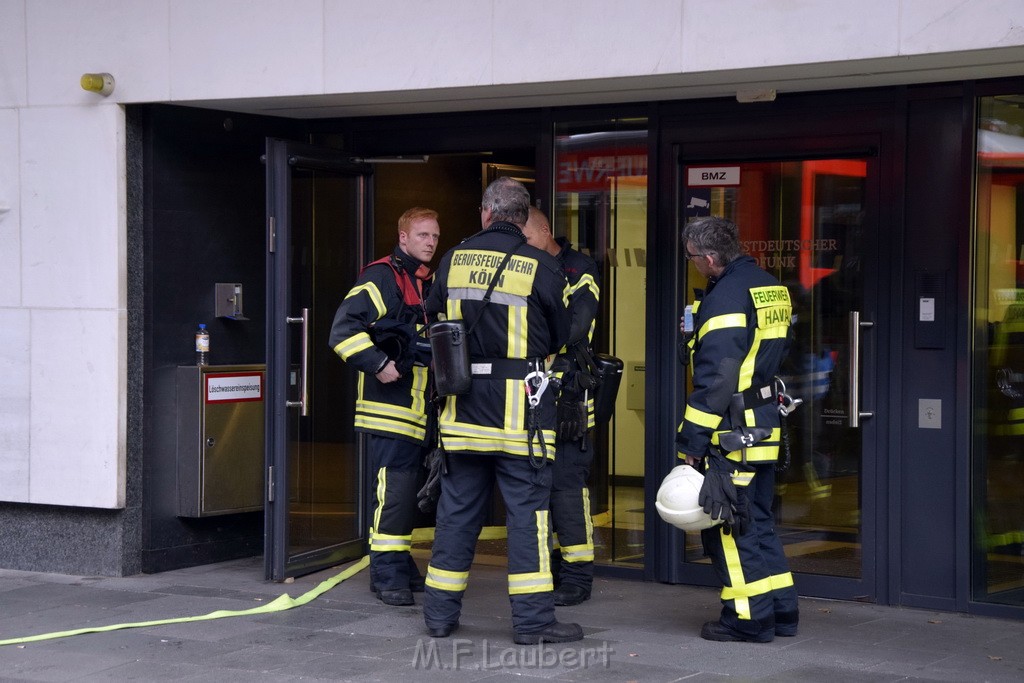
(677,500)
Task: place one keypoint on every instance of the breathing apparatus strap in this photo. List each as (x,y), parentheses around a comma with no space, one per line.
(490,287)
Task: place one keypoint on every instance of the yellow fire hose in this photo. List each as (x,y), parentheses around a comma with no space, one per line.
(279,604)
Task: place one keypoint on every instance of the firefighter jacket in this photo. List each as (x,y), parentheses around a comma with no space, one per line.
(584,292)
(525,321)
(390,289)
(741,338)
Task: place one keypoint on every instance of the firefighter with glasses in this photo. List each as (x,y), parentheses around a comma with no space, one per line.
(731,428)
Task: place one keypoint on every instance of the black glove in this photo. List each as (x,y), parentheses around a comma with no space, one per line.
(579,382)
(426,497)
(585,376)
(718,494)
(741,513)
(571,417)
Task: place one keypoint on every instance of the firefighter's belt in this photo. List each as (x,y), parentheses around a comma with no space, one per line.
(563,363)
(760,396)
(504,368)
(743,437)
(738,439)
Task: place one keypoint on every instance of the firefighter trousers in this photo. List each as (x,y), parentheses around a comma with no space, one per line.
(397,466)
(757,587)
(461,511)
(571,520)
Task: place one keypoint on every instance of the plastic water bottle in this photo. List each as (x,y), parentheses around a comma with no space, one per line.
(202,345)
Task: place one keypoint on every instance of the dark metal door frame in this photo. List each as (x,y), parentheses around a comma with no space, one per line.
(677,149)
(283,401)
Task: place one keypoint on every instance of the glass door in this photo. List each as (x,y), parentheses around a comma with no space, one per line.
(997,558)
(808,221)
(317,214)
(600,206)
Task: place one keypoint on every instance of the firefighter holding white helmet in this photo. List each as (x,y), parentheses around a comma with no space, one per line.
(731,427)
(678,500)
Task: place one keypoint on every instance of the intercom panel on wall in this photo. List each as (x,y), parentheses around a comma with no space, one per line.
(930,324)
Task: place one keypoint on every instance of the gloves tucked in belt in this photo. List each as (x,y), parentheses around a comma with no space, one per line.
(577,382)
(426,497)
(741,513)
(571,415)
(718,496)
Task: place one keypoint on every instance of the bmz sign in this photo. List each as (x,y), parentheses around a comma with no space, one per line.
(712,176)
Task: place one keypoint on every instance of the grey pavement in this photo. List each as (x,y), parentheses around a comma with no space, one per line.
(635,631)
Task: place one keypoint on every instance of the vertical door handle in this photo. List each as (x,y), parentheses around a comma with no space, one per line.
(854,379)
(303,403)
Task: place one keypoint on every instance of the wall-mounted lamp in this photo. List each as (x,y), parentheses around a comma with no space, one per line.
(764,95)
(102,84)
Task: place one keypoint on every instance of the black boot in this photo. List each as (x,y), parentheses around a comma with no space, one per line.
(786,623)
(555,633)
(442,631)
(570,594)
(716,630)
(396,598)
(416,585)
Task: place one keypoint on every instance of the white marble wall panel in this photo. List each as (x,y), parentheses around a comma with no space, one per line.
(737,34)
(243,48)
(929,26)
(77,405)
(161,50)
(72,207)
(411,45)
(10,215)
(13,78)
(14,405)
(540,40)
(126,38)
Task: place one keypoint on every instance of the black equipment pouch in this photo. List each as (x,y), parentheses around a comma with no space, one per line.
(609,376)
(450,351)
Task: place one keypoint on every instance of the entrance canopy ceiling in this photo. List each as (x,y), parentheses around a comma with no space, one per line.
(935,68)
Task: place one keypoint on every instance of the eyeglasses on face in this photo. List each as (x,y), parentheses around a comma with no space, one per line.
(690,257)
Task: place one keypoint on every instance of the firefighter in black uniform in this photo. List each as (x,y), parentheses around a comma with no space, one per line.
(570,498)
(375,329)
(502,428)
(732,426)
